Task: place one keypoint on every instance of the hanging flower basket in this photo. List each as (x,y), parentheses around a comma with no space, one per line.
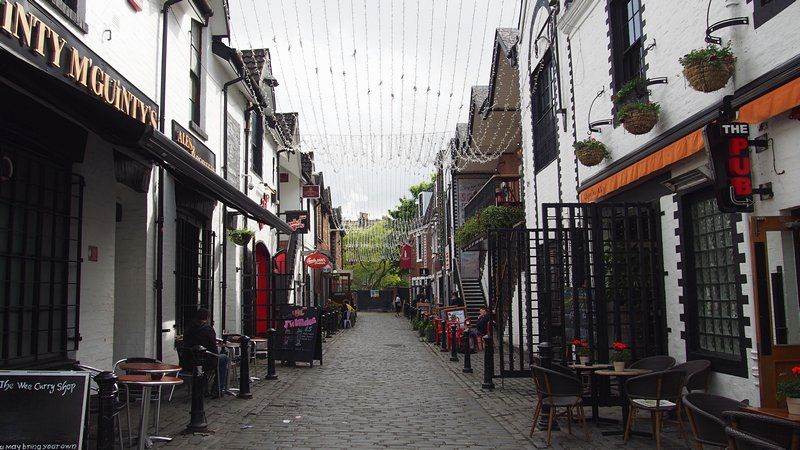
(639,118)
(241,236)
(590,152)
(708,69)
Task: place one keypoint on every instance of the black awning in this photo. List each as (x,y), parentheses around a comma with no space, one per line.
(184,165)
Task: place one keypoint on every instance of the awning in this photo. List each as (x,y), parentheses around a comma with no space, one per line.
(184,165)
(777,100)
(131,135)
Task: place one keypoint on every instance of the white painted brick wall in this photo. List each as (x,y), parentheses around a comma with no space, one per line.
(97,287)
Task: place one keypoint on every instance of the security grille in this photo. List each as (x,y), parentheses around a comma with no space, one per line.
(40,240)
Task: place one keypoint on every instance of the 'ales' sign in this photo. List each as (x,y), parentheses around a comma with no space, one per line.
(728,149)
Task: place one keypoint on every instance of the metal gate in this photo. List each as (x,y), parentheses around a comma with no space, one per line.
(279,290)
(592,273)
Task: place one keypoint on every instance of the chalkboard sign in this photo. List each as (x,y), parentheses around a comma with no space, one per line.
(42,409)
(299,338)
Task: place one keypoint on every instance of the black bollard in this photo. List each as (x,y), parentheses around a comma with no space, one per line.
(328,325)
(244,367)
(107,393)
(443,339)
(488,363)
(467,350)
(546,360)
(197,416)
(453,343)
(271,355)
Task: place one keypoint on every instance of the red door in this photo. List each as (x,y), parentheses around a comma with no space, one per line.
(262,290)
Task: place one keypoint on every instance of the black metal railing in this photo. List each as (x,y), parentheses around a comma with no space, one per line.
(500,190)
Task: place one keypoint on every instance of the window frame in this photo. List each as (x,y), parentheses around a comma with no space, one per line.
(76,16)
(544,154)
(620,49)
(763,13)
(196,78)
(257,145)
(719,362)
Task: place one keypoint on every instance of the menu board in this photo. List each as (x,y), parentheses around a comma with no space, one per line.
(42,409)
(299,337)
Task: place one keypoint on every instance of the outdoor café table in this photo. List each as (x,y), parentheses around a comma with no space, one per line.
(780,413)
(147,382)
(622,375)
(592,368)
(147,368)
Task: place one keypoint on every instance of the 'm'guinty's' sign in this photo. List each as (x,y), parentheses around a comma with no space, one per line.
(49,46)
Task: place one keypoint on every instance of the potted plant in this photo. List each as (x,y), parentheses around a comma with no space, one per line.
(708,69)
(789,389)
(422,326)
(431,332)
(240,236)
(415,324)
(636,114)
(620,355)
(582,350)
(590,151)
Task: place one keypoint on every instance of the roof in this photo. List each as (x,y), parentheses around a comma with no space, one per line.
(287,124)
(259,65)
(479,94)
(507,39)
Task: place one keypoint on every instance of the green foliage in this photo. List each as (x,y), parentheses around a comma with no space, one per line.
(630,92)
(790,386)
(407,208)
(381,271)
(638,107)
(240,236)
(713,54)
(491,217)
(591,143)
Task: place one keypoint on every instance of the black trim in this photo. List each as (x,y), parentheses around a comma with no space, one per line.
(75,16)
(764,12)
(719,363)
(752,90)
(186,167)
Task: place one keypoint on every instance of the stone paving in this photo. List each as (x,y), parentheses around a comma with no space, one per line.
(379,387)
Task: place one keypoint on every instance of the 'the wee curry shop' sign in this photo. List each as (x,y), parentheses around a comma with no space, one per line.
(30,33)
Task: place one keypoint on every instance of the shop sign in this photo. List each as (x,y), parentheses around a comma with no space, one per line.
(192,145)
(311,191)
(317,260)
(297,221)
(728,148)
(30,33)
(406,256)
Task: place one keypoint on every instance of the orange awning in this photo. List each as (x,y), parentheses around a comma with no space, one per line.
(756,111)
(676,151)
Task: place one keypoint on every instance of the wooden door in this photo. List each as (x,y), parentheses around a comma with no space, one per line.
(775,245)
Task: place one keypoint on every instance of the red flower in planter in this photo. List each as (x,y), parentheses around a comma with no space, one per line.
(619,346)
(796,370)
(584,344)
(576,342)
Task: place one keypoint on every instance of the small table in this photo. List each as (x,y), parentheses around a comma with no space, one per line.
(622,374)
(147,383)
(592,368)
(779,413)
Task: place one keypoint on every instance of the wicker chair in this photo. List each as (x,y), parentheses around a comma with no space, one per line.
(784,433)
(557,390)
(656,393)
(739,440)
(654,363)
(698,372)
(705,417)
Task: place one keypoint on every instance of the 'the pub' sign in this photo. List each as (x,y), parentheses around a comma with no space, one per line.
(728,148)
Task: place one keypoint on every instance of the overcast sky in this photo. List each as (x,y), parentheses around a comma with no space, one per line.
(379,84)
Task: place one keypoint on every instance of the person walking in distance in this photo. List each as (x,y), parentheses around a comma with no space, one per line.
(398,306)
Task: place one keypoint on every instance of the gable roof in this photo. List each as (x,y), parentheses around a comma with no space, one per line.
(259,65)
(288,127)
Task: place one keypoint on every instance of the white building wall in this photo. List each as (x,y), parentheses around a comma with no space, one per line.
(97,289)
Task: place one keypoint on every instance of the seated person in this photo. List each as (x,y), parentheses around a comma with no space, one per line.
(202,333)
(480,329)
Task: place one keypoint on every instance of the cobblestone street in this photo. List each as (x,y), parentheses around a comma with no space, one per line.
(379,387)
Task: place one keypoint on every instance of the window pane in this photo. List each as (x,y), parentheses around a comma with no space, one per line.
(715,268)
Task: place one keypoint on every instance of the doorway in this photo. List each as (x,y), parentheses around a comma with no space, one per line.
(776,251)
(262,304)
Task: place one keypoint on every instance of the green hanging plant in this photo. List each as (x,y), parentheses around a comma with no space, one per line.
(241,236)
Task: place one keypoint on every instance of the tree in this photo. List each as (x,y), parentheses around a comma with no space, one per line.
(407,208)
